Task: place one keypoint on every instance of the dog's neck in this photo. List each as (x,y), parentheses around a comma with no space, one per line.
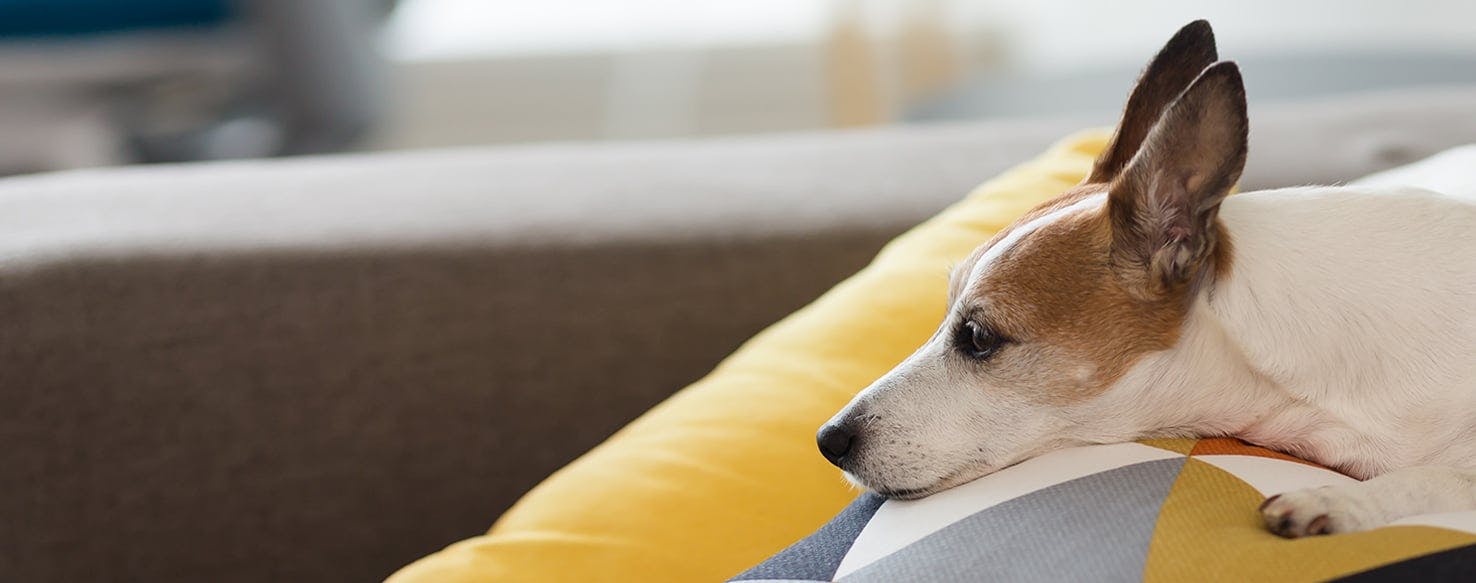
(1315,334)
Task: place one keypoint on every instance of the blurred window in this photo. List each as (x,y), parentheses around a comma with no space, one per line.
(47,18)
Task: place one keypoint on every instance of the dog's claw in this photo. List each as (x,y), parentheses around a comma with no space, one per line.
(1283,526)
(1318,525)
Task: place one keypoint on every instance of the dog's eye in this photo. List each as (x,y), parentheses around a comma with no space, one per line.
(976,341)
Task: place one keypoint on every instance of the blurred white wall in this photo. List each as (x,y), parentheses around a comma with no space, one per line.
(1062,35)
(458,29)
(481,71)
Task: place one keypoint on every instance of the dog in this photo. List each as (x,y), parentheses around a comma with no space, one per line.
(1337,324)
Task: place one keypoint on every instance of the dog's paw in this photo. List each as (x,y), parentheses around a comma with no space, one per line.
(1315,511)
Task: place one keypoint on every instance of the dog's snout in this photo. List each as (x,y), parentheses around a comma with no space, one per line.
(835,441)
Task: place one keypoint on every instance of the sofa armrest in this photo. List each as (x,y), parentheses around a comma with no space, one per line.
(322,369)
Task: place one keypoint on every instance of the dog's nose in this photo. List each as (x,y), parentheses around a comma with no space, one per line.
(835,441)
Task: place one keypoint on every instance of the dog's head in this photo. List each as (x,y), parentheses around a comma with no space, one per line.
(1047,321)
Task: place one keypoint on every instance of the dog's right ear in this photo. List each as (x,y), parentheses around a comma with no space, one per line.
(1176,65)
(1165,205)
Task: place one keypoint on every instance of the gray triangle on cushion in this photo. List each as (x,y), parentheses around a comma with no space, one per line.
(816,557)
(1093,528)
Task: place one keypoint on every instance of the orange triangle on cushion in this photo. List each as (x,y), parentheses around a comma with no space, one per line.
(1233,446)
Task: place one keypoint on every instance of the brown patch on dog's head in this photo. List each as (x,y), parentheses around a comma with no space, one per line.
(1082,293)
(958,277)
(1073,324)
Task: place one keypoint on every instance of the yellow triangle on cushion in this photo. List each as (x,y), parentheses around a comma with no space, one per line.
(1182,445)
(1209,530)
(725,473)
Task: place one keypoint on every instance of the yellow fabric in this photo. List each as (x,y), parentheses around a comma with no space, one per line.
(1207,530)
(725,472)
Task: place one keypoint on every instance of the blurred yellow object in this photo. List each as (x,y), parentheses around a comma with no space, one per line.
(725,472)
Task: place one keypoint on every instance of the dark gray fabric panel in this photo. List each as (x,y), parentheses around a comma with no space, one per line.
(1095,528)
(1454,565)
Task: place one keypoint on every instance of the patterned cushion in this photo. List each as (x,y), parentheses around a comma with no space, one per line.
(1159,510)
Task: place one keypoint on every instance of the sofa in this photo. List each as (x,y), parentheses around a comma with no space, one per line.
(321,369)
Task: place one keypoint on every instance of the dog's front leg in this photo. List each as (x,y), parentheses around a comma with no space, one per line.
(1370,504)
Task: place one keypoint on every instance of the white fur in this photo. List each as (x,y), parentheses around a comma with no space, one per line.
(1345,333)
(1361,303)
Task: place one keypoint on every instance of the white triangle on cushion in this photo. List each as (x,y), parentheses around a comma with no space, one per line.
(1463,521)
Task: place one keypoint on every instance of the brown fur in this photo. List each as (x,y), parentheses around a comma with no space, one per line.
(1059,300)
(1165,205)
(956,280)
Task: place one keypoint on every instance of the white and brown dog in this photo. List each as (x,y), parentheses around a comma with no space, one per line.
(1334,323)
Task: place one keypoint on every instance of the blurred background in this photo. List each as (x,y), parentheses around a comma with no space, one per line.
(103,82)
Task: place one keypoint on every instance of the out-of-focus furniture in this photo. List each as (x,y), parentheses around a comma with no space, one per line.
(1270,78)
(323,368)
(94,82)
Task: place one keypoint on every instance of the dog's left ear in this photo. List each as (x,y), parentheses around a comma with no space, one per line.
(1164,207)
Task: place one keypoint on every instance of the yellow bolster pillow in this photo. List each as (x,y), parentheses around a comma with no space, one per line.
(725,472)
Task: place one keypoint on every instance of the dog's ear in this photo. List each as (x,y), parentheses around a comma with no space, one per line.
(1167,75)
(1164,205)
